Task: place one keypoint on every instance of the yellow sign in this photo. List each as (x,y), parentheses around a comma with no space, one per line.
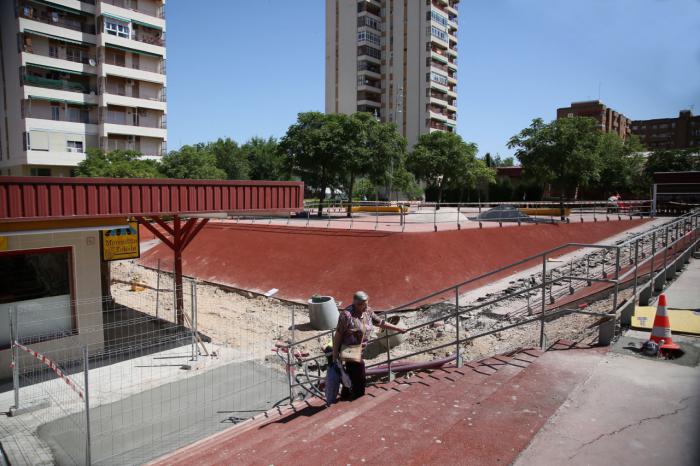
(121,243)
(3,243)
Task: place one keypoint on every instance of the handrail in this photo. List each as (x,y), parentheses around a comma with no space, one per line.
(689,221)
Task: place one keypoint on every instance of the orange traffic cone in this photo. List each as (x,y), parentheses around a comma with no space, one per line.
(661,332)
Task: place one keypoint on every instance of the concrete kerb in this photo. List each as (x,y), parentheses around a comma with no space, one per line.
(645,295)
(626,311)
(659,281)
(671,270)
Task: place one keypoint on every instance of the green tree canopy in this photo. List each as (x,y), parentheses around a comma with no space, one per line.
(117,164)
(311,150)
(443,160)
(265,159)
(563,153)
(672,160)
(229,158)
(368,148)
(621,165)
(193,162)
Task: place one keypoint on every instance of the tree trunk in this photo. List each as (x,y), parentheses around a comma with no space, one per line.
(321,198)
(439,195)
(561,204)
(350,190)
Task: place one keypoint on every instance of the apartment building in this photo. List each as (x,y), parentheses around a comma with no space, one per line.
(669,133)
(78,74)
(610,121)
(396,59)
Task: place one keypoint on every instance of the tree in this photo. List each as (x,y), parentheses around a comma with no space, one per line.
(563,153)
(310,147)
(673,160)
(264,158)
(229,158)
(443,160)
(117,164)
(368,148)
(405,181)
(193,162)
(621,164)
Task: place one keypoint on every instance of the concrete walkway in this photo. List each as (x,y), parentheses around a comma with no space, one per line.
(684,292)
(630,411)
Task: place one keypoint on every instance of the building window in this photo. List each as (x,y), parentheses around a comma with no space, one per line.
(437,32)
(369,51)
(74,146)
(117,28)
(55,112)
(40,289)
(438,18)
(53,50)
(366,36)
(438,78)
(40,172)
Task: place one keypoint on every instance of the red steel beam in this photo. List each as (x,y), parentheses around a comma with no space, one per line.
(52,198)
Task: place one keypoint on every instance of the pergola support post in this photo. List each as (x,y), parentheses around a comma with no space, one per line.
(181,238)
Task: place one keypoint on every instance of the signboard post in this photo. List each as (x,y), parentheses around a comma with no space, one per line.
(121,243)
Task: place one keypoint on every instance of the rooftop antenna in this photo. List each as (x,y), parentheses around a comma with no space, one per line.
(599,86)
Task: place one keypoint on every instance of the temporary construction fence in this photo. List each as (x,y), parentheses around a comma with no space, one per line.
(128,384)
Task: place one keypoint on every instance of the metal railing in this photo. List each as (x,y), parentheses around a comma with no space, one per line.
(133,5)
(340,214)
(55,19)
(60,84)
(680,235)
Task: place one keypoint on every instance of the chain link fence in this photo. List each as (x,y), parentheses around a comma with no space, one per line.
(131,377)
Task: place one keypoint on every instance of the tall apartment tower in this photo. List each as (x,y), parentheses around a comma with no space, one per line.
(77,74)
(396,59)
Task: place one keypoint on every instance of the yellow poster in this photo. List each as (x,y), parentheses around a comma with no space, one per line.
(3,243)
(121,243)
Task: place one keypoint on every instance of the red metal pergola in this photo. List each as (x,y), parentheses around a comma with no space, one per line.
(44,202)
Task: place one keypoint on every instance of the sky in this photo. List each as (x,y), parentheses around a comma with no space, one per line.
(240,68)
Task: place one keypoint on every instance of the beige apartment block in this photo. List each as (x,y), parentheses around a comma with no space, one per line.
(78,74)
(396,59)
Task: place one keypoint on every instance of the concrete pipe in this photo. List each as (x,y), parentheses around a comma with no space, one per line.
(323,312)
(395,339)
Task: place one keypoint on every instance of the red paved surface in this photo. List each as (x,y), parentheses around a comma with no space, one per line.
(483,413)
(393,268)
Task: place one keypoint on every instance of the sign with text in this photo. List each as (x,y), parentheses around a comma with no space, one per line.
(121,243)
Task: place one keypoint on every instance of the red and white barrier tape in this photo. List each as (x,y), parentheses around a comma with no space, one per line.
(53,366)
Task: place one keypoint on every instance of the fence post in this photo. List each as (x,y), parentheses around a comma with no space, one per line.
(289,361)
(86,369)
(665,252)
(193,318)
(617,277)
(653,256)
(157,288)
(388,355)
(544,292)
(636,267)
(458,361)
(15,353)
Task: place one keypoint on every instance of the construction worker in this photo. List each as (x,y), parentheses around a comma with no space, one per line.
(354,329)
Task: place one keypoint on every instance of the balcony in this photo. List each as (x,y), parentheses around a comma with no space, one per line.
(147,146)
(56,17)
(63,111)
(132,89)
(148,38)
(157,11)
(132,61)
(39,45)
(135,117)
(58,84)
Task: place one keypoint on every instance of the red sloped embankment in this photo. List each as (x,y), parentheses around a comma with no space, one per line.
(393,268)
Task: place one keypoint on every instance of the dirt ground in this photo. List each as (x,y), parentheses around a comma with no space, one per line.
(255,323)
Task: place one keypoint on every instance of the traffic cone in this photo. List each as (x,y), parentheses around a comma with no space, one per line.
(661,332)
